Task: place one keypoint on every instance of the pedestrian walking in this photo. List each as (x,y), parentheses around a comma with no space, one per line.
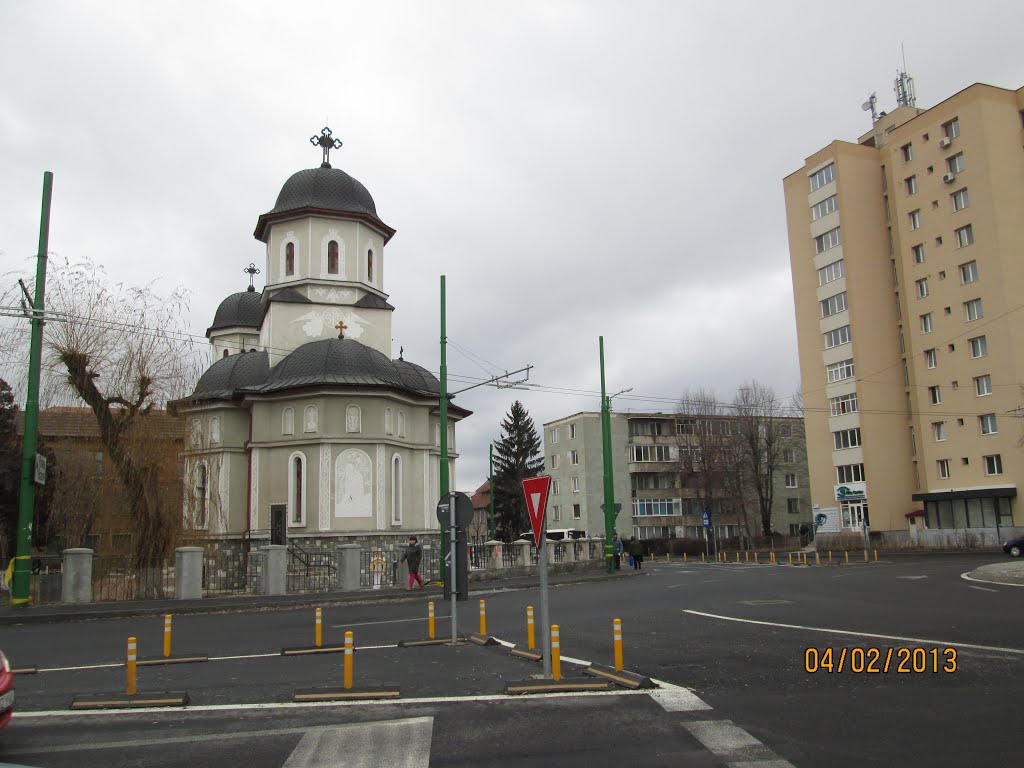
(413,555)
(636,552)
(617,549)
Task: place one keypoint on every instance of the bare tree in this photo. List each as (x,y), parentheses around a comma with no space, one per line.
(124,351)
(761,429)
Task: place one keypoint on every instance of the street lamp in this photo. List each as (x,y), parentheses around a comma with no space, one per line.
(609,483)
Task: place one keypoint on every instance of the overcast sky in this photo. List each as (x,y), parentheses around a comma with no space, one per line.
(576,169)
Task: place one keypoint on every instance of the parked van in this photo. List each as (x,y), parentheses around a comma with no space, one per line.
(557,534)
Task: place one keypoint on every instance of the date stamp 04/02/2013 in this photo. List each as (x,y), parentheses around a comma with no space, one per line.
(859,660)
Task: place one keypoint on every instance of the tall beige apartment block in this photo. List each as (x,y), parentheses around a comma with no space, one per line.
(907,254)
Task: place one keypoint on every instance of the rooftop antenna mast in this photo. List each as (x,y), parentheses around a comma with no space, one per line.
(904,85)
(870,105)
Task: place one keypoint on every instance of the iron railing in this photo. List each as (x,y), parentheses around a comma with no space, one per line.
(311,570)
(510,555)
(115,577)
(378,568)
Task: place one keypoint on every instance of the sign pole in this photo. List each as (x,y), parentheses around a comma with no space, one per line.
(545,619)
(453,584)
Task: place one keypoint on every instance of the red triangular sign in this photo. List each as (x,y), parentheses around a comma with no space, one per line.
(536,491)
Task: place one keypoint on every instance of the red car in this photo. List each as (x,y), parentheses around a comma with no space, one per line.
(6,690)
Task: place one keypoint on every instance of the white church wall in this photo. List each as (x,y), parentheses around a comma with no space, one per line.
(298,324)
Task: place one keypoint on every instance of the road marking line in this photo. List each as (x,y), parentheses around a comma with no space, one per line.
(675,698)
(273,705)
(983,589)
(826,630)
(726,739)
(987,581)
(389,621)
(400,743)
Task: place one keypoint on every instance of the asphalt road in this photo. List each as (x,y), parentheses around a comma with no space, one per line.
(735,635)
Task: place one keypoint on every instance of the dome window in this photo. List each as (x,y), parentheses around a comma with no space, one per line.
(332,257)
(225,353)
(369,266)
(289,259)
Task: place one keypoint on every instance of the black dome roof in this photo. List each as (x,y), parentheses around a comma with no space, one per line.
(346,361)
(230,373)
(323,189)
(243,309)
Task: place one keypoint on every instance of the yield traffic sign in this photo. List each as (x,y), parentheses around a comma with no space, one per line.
(536,491)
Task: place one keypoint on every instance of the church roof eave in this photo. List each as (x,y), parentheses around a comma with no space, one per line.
(266,219)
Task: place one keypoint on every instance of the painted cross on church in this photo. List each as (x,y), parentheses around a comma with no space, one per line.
(341,329)
(327,143)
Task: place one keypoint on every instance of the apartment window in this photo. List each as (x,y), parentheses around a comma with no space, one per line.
(574,457)
(825,207)
(952,128)
(833,305)
(788,456)
(931,358)
(960,199)
(575,485)
(649,453)
(979,346)
(827,240)
(926,322)
(943,468)
(820,178)
(968,272)
(983,385)
(791,481)
(908,152)
(793,506)
(935,395)
(840,371)
(554,435)
(830,272)
(993,464)
(964,236)
(843,404)
(837,337)
(556,513)
(921,287)
(939,431)
(915,219)
(846,438)
(987,422)
(554,461)
(554,487)
(955,164)
(918,253)
(974,310)
(577,511)
(911,184)
(572,431)
(850,473)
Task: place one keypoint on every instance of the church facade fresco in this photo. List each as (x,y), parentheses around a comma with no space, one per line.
(305,404)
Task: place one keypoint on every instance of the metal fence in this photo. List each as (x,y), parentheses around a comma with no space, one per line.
(478,556)
(115,577)
(378,568)
(311,570)
(509,555)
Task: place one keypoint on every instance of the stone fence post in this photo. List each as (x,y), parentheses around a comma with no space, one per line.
(524,552)
(275,569)
(348,567)
(188,573)
(76,576)
(495,561)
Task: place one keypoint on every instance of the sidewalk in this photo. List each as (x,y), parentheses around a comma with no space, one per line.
(1011,572)
(60,612)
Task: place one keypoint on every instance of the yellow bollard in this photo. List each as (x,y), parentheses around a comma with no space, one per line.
(348,660)
(684,557)
(865,555)
(430,620)
(790,558)
(319,628)
(531,641)
(746,556)
(755,559)
(617,638)
(876,555)
(830,555)
(167,636)
(556,654)
(817,559)
(483,619)
(846,555)
(805,558)
(130,668)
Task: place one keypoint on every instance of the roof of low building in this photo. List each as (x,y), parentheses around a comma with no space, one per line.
(229,374)
(239,310)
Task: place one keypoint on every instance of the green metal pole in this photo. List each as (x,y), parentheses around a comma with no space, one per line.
(609,483)
(23,557)
(491,532)
(443,481)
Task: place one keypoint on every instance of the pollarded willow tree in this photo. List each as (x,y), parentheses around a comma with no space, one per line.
(516,457)
(124,352)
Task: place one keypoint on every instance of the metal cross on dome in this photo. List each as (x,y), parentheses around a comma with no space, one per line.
(252,270)
(341,329)
(327,143)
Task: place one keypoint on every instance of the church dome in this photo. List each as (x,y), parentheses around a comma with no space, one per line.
(323,190)
(231,373)
(346,361)
(239,310)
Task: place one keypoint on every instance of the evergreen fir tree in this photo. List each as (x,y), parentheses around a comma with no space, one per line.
(516,456)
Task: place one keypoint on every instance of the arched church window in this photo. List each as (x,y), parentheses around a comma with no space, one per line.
(353,419)
(396,490)
(369,266)
(215,430)
(401,423)
(332,257)
(389,422)
(297,489)
(202,497)
(310,419)
(289,259)
(225,353)
(287,421)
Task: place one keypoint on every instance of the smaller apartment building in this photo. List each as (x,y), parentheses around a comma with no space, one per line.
(658,491)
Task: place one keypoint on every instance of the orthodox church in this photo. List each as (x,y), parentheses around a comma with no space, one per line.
(304,426)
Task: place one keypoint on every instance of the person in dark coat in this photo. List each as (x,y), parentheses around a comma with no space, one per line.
(617,549)
(636,552)
(413,555)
